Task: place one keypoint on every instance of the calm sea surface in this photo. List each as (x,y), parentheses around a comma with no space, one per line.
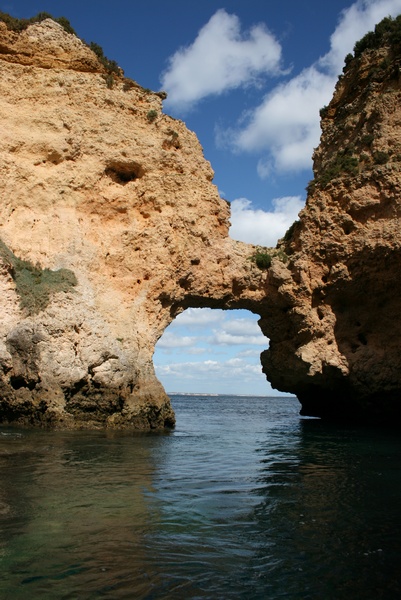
(244,499)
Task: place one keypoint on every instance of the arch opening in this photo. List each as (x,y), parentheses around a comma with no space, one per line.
(212,351)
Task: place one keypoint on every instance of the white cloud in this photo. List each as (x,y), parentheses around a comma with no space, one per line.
(225,338)
(354,22)
(231,354)
(170,340)
(233,376)
(198,317)
(229,331)
(221,58)
(242,327)
(194,350)
(239,332)
(263,228)
(213,369)
(252,353)
(286,123)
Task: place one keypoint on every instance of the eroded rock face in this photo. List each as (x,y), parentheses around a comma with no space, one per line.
(110,226)
(333,310)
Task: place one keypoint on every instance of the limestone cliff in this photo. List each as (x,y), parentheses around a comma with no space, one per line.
(110,226)
(332,313)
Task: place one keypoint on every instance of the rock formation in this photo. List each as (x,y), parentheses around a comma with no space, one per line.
(333,316)
(110,227)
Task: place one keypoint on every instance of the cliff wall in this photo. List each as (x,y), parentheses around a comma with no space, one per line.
(334,309)
(110,226)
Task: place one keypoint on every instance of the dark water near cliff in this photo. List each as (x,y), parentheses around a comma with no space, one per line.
(243,500)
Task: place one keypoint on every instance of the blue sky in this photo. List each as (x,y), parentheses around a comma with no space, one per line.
(249,77)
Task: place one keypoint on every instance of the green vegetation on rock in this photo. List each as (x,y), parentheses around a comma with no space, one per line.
(344,163)
(19,25)
(151,116)
(387,32)
(110,65)
(15,24)
(290,231)
(263,258)
(34,285)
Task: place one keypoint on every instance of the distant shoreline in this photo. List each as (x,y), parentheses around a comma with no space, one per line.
(233,395)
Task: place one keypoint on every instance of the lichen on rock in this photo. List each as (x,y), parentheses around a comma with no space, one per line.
(34,285)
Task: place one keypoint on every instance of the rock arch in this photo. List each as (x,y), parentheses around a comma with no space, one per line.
(212,351)
(135,222)
(119,211)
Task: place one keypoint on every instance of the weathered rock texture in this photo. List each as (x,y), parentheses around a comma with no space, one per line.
(110,226)
(334,309)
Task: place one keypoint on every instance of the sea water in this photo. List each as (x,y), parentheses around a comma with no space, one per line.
(244,499)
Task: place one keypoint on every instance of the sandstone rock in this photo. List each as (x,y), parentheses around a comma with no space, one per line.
(96,181)
(333,309)
(41,45)
(111,226)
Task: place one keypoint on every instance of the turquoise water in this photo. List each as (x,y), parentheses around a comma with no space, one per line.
(244,499)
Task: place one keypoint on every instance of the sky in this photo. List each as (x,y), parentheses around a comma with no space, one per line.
(248,77)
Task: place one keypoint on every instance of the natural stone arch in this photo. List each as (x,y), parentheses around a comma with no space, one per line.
(204,346)
(136,221)
(136,232)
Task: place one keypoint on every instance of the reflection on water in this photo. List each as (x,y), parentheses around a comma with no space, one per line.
(243,500)
(334,514)
(73,505)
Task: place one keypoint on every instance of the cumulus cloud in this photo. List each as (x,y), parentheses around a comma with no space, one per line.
(242,327)
(250,353)
(210,328)
(286,123)
(198,317)
(212,369)
(232,349)
(233,376)
(170,340)
(354,22)
(225,338)
(221,58)
(239,332)
(263,228)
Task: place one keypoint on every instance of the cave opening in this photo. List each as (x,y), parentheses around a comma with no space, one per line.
(212,352)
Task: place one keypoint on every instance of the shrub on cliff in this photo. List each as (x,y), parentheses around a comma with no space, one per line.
(19,25)
(344,163)
(15,24)
(289,234)
(263,259)
(388,31)
(110,65)
(151,116)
